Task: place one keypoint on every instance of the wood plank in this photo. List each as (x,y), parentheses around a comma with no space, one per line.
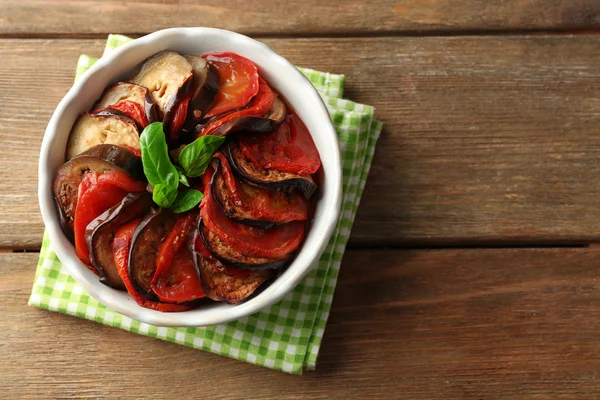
(312,17)
(486,139)
(468,324)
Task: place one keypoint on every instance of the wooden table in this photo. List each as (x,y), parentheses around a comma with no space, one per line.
(473,267)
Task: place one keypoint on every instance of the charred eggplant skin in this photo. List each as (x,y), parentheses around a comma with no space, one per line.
(305,185)
(150,108)
(113,112)
(247,123)
(203,96)
(145,243)
(121,157)
(101,231)
(173,105)
(265,124)
(269,265)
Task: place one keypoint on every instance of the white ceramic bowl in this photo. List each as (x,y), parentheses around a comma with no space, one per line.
(282,76)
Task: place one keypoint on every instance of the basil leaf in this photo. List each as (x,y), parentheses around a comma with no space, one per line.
(187,200)
(155,157)
(164,195)
(182,178)
(196,156)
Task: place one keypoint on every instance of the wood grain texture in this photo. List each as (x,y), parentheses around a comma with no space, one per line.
(310,17)
(468,324)
(486,139)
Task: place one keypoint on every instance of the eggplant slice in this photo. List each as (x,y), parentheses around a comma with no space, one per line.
(273,206)
(241,165)
(249,123)
(205,86)
(119,156)
(219,286)
(66,185)
(229,256)
(164,74)
(145,244)
(100,234)
(265,124)
(132,92)
(91,130)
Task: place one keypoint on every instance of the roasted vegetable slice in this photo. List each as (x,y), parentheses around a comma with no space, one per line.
(275,243)
(119,156)
(91,130)
(122,95)
(100,234)
(165,74)
(145,245)
(238,79)
(98,193)
(66,186)
(244,167)
(205,87)
(288,149)
(176,279)
(131,92)
(254,204)
(256,116)
(126,109)
(121,246)
(231,288)
(230,256)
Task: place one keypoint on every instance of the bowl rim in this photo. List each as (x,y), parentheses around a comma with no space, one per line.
(276,290)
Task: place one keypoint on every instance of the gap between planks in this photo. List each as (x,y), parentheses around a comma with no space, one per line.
(327,34)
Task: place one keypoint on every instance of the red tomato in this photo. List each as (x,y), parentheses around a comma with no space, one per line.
(97,193)
(261,203)
(135,151)
(258,107)
(289,149)
(178,119)
(176,279)
(275,243)
(239,81)
(121,245)
(133,110)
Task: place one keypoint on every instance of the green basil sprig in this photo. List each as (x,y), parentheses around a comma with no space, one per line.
(165,177)
(196,156)
(187,200)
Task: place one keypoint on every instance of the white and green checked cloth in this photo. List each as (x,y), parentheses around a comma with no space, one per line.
(286,336)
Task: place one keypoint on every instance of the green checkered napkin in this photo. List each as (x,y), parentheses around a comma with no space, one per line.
(285,336)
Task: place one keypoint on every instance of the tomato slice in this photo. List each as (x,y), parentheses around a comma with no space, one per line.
(98,193)
(239,81)
(133,110)
(121,245)
(289,149)
(176,279)
(259,106)
(255,202)
(275,243)
(173,127)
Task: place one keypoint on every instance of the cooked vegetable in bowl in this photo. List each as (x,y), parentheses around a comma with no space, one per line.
(140,213)
(190,181)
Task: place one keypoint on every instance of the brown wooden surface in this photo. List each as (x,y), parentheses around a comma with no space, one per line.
(464,324)
(491,111)
(309,17)
(499,149)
